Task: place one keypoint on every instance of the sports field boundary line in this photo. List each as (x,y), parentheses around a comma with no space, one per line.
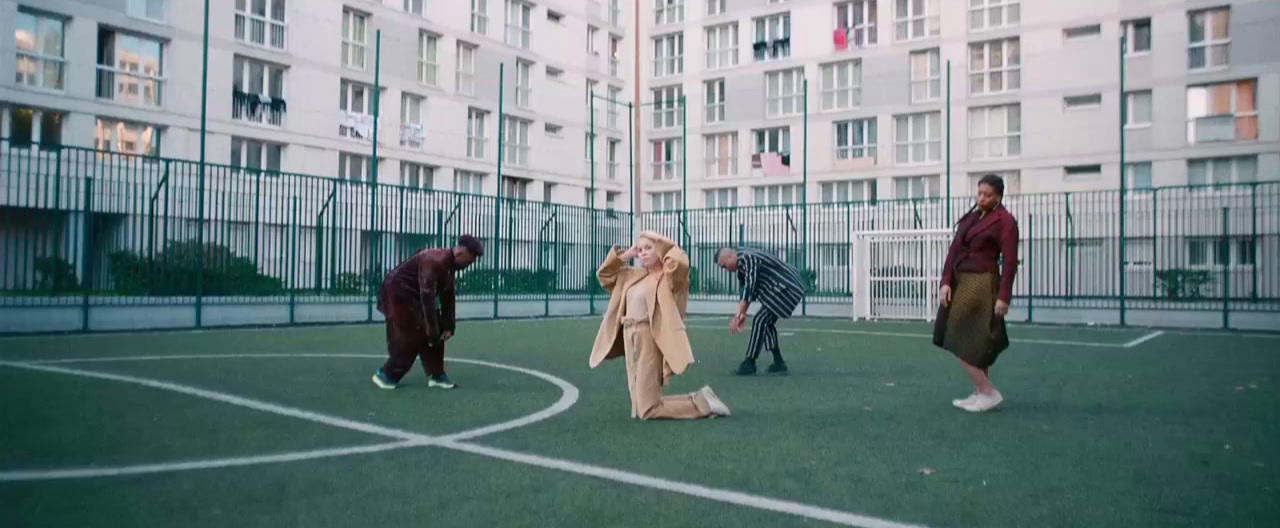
(626,477)
(917,335)
(1143,339)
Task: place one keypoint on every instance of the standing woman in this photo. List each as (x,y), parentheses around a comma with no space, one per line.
(645,324)
(976,291)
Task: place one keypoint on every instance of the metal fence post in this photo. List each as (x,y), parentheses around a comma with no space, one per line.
(1225,258)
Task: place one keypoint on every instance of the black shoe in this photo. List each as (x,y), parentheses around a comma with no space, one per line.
(778,367)
(747,368)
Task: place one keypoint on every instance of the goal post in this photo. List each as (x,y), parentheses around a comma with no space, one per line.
(896,274)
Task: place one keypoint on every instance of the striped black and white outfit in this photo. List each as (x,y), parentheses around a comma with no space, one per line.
(766,278)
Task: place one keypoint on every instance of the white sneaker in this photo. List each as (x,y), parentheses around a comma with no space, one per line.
(966,401)
(718,407)
(984,402)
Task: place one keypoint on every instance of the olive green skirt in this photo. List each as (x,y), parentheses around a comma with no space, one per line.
(968,327)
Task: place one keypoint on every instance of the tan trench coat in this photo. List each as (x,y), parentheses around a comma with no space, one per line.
(670,302)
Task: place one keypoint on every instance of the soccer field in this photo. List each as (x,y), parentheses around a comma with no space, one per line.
(282,427)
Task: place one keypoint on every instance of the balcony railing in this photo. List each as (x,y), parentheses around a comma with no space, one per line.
(129,87)
(256,108)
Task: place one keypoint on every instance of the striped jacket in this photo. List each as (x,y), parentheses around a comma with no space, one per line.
(766,278)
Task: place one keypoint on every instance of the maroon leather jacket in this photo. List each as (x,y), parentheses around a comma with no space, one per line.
(418,283)
(978,245)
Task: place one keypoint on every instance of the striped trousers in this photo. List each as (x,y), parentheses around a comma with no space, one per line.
(764,334)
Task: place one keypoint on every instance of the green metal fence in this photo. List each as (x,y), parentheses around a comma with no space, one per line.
(83,229)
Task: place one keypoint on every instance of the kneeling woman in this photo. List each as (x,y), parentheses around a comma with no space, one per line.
(645,323)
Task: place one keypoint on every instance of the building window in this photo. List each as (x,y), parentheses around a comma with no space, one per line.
(856,139)
(1137,36)
(1222,171)
(1222,112)
(916,187)
(417,175)
(1081,32)
(611,158)
(720,198)
(721,152)
(842,85)
(776,140)
(714,92)
(127,137)
(849,191)
(517,142)
(667,102)
(722,46)
(355,167)
(772,37)
(255,156)
(615,12)
(355,38)
(356,104)
(1209,38)
(1082,102)
(994,14)
(257,94)
(1082,173)
(784,92)
(716,7)
(668,55)
(1138,176)
(519,18)
(666,158)
(130,68)
(611,108)
(918,138)
(515,188)
(261,22)
(411,130)
(479,16)
(41,46)
(857,19)
(995,66)
(468,182)
(148,9)
(592,34)
(611,201)
(476,139)
(524,78)
(428,59)
(995,132)
(668,12)
(926,75)
(1221,251)
(549,190)
(32,126)
(414,7)
(1137,109)
(665,201)
(915,19)
(789,194)
(615,55)
(466,69)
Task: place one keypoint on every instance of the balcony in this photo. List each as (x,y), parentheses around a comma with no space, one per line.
(260,31)
(257,108)
(412,135)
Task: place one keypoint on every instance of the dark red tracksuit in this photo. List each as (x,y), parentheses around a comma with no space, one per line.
(408,299)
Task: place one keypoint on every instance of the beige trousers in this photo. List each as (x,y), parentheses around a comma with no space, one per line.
(647,373)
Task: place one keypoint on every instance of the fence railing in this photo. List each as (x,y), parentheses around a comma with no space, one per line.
(86,228)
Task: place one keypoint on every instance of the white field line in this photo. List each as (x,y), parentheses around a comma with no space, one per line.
(917,335)
(406,437)
(1143,339)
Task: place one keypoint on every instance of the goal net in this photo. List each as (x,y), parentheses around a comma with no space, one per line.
(896,274)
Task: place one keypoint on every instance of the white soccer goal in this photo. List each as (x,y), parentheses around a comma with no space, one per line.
(896,274)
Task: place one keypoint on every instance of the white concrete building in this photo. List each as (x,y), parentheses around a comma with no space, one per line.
(291,82)
(1035,96)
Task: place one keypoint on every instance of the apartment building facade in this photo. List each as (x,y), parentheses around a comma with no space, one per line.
(1035,95)
(291,87)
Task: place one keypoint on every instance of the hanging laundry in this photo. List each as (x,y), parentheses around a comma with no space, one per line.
(841,39)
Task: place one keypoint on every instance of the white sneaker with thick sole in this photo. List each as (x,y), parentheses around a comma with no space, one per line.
(718,407)
(962,403)
(985,402)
